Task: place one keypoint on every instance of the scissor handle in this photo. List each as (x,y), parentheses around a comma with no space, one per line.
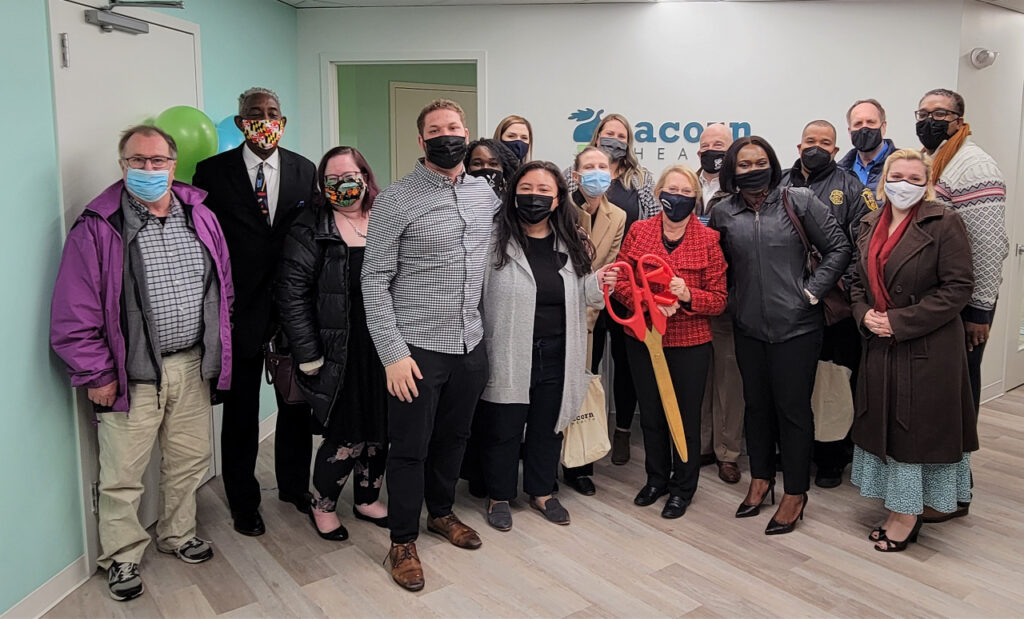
(662,274)
(635,323)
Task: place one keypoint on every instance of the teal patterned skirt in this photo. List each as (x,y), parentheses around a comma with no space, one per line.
(908,488)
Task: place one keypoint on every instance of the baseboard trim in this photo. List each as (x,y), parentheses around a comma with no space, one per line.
(267,426)
(992,391)
(51,592)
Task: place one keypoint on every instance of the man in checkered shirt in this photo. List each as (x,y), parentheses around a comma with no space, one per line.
(426,254)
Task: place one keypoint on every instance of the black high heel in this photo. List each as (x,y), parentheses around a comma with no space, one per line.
(877,534)
(899,546)
(777,528)
(747,511)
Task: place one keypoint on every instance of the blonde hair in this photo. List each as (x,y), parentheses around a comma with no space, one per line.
(631,175)
(685,171)
(507,122)
(910,155)
(588,149)
(439,104)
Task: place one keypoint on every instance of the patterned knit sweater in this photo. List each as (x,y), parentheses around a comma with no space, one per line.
(973,186)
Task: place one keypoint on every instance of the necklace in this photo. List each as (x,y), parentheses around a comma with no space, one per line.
(353,226)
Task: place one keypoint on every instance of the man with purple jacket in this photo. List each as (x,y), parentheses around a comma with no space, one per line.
(141,315)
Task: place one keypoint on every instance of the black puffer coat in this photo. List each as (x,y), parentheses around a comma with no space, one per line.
(312,297)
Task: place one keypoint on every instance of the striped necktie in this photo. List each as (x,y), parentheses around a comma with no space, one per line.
(261,193)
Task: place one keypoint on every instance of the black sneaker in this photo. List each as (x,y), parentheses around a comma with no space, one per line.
(194,550)
(124,581)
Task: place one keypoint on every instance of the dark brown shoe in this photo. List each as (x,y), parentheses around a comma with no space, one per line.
(406,569)
(620,447)
(729,472)
(451,528)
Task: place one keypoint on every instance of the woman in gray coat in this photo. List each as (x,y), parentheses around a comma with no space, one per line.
(534,311)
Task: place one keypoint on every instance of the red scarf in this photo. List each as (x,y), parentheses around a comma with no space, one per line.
(879,249)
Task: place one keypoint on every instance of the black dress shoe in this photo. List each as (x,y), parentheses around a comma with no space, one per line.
(249,523)
(338,535)
(674,507)
(749,511)
(381,522)
(301,502)
(648,495)
(581,484)
(828,478)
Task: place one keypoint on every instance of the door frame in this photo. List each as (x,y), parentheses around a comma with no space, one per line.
(329,127)
(90,534)
(1013,364)
(392,87)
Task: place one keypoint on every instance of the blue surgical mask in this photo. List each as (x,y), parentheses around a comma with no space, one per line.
(595,182)
(147,185)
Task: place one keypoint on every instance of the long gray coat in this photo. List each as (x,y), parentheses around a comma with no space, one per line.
(509,302)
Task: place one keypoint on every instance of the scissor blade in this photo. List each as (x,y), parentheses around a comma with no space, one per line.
(667,391)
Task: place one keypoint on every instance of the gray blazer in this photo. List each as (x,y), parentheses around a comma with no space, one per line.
(509,302)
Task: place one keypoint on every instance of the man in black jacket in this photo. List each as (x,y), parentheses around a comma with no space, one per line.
(255,190)
(849,200)
(865,121)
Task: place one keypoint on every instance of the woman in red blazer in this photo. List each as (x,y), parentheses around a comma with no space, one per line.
(692,250)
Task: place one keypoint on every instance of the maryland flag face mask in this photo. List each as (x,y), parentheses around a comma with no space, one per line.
(264,134)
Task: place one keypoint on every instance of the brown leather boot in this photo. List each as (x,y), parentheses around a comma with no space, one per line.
(406,569)
(620,446)
(451,528)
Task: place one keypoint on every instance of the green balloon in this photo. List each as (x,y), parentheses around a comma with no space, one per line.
(195,135)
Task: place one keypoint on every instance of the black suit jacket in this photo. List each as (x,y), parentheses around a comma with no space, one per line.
(255,245)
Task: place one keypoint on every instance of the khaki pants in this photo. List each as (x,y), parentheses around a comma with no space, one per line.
(721,425)
(179,414)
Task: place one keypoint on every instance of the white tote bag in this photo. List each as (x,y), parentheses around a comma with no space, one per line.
(585,440)
(832,402)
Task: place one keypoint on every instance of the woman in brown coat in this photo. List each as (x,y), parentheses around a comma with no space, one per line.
(915,423)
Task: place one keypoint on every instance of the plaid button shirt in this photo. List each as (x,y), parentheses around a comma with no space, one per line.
(175,272)
(427,248)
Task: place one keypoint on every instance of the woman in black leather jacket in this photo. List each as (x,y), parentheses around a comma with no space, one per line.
(320,305)
(774,302)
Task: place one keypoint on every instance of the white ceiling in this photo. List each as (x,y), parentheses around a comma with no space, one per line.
(1015,5)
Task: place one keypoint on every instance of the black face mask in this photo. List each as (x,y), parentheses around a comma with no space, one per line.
(533,208)
(815,159)
(446,151)
(677,207)
(866,139)
(615,148)
(932,133)
(494,178)
(711,161)
(519,148)
(754,180)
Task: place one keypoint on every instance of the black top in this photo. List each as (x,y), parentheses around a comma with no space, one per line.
(670,246)
(545,262)
(626,199)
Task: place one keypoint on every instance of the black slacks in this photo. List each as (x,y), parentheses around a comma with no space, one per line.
(688,367)
(502,429)
(428,437)
(841,345)
(777,383)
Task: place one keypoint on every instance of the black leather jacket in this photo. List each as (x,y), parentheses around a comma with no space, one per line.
(768,263)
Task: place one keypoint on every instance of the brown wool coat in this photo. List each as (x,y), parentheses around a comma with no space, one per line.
(914,399)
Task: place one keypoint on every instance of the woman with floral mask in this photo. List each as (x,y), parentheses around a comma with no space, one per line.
(320,304)
(492,161)
(916,423)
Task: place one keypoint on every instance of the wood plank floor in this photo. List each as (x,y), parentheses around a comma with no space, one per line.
(615,559)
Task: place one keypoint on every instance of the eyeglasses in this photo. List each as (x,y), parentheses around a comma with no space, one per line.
(332,180)
(938,114)
(159,163)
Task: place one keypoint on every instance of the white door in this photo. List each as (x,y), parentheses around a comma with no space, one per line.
(105,82)
(1014,373)
(407,99)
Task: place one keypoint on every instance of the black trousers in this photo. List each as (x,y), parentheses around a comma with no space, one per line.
(428,437)
(777,383)
(502,429)
(688,367)
(841,345)
(293,442)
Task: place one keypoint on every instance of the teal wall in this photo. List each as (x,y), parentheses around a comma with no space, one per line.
(40,505)
(364,116)
(40,508)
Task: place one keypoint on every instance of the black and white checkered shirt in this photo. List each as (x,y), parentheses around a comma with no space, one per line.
(174,267)
(423,271)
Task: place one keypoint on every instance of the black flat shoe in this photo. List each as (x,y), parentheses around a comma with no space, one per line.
(581,484)
(891,545)
(338,535)
(777,528)
(648,495)
(828,478)
(748,511)
(675,507)
(249,523)
(301,502)
(381,522)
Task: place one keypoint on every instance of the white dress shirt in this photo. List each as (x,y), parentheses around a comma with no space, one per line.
(271,175)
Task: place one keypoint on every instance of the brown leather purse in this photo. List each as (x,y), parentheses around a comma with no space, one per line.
(281,370)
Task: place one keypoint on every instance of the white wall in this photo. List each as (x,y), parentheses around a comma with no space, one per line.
(993,98)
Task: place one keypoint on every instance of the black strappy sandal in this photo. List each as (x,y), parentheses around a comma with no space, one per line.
(900,546)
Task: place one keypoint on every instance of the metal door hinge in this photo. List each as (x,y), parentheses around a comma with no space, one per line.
(94,496)
(1020,249)
(65,51)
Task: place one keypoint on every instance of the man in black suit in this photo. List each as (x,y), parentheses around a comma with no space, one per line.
(255,191)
